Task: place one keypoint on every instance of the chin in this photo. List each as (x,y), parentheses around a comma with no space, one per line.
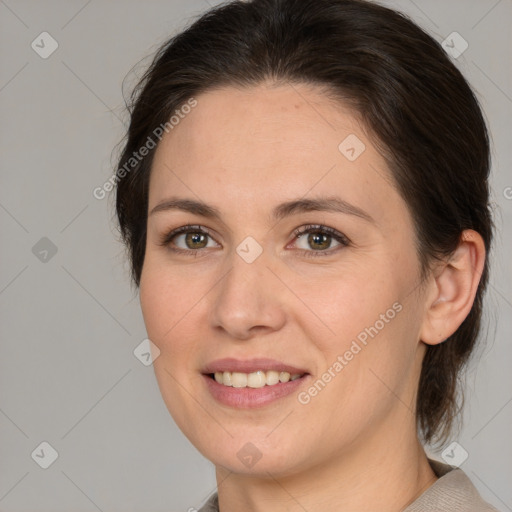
(259,457)
(264,467)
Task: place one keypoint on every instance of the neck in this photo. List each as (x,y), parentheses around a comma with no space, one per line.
(385,472)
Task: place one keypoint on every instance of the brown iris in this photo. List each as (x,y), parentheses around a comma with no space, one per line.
(196,238)
(319,238)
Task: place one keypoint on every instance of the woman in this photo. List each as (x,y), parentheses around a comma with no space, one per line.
(303,194)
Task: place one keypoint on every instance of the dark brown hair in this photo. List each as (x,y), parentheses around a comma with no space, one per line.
(419,110)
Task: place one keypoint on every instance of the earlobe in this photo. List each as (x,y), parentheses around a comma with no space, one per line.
(453,289)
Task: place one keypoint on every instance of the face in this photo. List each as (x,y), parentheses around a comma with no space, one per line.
(276,278)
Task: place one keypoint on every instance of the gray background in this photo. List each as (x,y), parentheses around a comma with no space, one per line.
(69,325)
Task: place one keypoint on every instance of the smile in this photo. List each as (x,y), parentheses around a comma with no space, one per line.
(250,383)
(257,379)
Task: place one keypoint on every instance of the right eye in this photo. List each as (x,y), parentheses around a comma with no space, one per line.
(192,237)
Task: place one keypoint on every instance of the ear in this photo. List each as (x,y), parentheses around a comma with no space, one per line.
(452,289)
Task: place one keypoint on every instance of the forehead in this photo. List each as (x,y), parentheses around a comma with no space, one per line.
(231,124)
(268,143)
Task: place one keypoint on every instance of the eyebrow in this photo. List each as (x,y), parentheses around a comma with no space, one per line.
(321,204)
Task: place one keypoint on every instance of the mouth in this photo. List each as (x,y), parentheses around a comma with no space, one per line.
(257,379)
(252,383)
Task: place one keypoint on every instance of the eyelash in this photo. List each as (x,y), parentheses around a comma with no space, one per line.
(167,238)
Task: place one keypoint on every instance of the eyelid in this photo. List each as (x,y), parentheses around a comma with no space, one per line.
(167,237)
(321,228)
(343,240)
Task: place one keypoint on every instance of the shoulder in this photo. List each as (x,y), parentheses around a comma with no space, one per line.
(453,491)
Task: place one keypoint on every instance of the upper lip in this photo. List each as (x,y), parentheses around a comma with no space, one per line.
(250,366)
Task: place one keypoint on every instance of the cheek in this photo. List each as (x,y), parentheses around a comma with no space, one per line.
(365,328)
(366,365)
(343,305)
(369,298)
(166,298)
(167,295)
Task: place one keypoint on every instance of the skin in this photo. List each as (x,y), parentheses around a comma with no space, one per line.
(354,446)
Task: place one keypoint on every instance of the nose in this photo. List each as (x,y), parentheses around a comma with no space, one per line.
(249,299)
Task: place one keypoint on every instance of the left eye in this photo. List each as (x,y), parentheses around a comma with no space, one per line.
(319,238)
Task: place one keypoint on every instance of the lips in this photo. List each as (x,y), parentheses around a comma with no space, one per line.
(246,395)
(250,366)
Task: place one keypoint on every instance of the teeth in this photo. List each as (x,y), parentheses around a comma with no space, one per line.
(225,378)
(272,378)
(238,380)
(253,380)
(256,379)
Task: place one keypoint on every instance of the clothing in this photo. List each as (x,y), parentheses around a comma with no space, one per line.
(452,492)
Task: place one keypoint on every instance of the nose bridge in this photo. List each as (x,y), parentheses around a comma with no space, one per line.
(245,296)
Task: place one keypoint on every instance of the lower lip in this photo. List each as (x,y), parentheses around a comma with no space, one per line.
(247,398)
